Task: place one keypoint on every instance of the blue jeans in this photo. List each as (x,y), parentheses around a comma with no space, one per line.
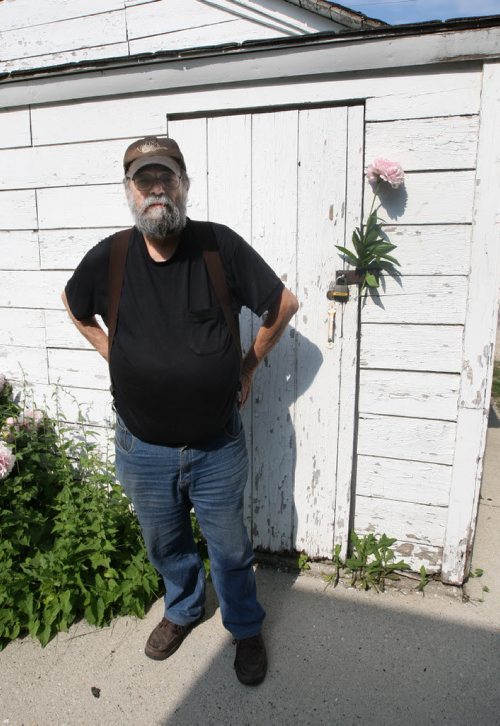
(164,483)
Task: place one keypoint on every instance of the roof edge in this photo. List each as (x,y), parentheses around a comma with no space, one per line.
(251,46)
(339,14)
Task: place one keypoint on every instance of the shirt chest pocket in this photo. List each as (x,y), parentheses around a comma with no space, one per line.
(208,332)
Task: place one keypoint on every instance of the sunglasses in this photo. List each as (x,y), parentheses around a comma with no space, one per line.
(145,181)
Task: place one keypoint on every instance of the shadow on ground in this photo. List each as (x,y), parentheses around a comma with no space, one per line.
(336,657)
(348,657)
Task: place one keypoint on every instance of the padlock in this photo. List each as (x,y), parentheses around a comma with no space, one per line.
(340,291)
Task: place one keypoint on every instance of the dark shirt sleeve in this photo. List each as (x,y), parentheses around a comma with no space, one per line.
(86,290)
(251,280)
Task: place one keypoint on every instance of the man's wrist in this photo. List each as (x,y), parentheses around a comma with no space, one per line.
(249,364)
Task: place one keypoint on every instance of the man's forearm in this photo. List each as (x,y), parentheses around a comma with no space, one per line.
(270,331)
(90,329)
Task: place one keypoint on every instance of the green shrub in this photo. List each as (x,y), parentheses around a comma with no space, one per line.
(70,547)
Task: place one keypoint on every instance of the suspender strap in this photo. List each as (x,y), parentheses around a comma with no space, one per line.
(204,236)
(117,261)
(208,244)
(218,280)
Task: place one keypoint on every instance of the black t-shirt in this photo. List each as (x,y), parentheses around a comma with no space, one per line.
(174,366)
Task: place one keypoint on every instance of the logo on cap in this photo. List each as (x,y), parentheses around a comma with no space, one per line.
(146,148)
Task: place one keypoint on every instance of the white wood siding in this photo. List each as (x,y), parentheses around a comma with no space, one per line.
(36,35)
(479,338)
(412,328)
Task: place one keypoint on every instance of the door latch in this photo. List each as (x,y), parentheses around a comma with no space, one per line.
(340,291)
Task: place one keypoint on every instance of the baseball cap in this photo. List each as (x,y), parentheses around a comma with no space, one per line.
(153,150)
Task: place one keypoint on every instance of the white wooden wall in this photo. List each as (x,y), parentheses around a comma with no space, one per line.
(63,193)
(412,331)
(37,34)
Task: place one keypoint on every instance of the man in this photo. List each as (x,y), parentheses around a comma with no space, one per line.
(178,382)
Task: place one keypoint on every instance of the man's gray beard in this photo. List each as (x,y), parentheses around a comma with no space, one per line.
(172,218)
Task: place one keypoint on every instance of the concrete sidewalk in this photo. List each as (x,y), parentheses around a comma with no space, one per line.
(337,656)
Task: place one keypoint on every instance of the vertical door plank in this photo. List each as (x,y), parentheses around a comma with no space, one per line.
(229,202)
(348,336)
(229,172)
(274,228)
(321,225)
(191,136)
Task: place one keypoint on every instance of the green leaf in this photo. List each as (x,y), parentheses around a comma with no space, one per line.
(348,254)
(356,241)
(44,633)
(372,235)
(371,280)
(89,615)
(384,247)
(393,260)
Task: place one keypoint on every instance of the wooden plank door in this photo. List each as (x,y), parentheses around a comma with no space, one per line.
(290,182)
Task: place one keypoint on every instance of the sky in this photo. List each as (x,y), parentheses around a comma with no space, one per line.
(417,11)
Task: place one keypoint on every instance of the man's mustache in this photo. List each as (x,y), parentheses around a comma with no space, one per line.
(153,199)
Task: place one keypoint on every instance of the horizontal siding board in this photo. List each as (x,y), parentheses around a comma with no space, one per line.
(75,207)
(432,249)
(435,143)
(19,363)
(66,36)
(395,393)
(414,439)
(27,289)
(74,404)
(62,249)
(64,165)
(62,333)
(18,210)
(15,128)
(19,250)
(22,327)
(418,482)
(417,555)
(78,368)
(412,347)
(426,95)
(227,31)
(136,116)
(406,521)
(113,50)
(417,300)
(172,16)
(125,118)
(26,14)
(439,197)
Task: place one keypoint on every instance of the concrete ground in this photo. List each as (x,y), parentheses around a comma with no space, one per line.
(337,656)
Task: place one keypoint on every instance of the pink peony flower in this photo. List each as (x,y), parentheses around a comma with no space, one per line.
(7,460)
(388,171)
(10,429)
(32,417)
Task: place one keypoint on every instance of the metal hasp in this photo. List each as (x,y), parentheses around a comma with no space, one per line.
(340,291)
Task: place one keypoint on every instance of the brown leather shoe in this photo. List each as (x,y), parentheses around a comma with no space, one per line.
(166,638)
(251,660)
